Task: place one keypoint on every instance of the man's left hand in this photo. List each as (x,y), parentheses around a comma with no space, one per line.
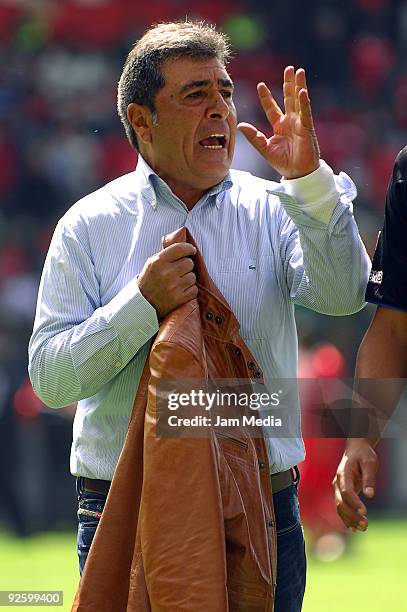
(293,148)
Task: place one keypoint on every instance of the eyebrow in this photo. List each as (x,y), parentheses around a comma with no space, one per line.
(191,84)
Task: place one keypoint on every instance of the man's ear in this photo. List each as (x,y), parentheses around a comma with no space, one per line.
(141,119)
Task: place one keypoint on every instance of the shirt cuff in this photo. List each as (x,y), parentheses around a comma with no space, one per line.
(316,194)
(132,316)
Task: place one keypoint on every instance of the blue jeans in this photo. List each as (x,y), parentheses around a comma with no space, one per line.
(291,560)
(90,507)
(291,563)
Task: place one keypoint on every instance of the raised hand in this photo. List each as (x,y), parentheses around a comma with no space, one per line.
(293,148)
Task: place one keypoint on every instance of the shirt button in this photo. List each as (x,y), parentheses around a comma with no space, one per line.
(118,363)
(209,316)
(218,319)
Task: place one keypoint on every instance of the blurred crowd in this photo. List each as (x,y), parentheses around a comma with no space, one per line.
(60,136)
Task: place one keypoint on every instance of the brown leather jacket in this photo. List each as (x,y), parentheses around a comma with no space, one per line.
(188,524)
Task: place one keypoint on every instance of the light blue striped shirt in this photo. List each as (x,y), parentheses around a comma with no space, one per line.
(267,246)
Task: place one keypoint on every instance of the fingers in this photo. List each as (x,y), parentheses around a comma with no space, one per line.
(182,266)
(356,471)
(271,108)
(296,98)
(300,84)
(188,280)
(348,487)
(294,86)
(369,468)
(300,80)
(177,251)
(302,101)
(289,89)
(369,491)
(167,279)
(351,519)
(254,136)
(348,505)
(305,110)
(189,294)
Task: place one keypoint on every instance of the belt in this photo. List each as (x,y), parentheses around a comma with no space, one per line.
(279,481)
(96,486)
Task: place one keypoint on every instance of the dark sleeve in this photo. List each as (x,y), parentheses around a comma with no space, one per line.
(387,284)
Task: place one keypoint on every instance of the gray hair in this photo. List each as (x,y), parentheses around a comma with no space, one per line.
(141,78)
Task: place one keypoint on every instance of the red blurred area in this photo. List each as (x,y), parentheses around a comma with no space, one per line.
(371,58)
(318,509)
(26,404)
(10,15)
(116,157)
(98,25)
(380,162)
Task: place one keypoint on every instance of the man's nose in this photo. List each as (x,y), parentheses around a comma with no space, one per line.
(218,107)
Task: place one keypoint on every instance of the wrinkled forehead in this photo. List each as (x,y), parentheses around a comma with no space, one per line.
(183,72)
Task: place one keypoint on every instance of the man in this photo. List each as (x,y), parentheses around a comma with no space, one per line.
(106,284)
(381,365)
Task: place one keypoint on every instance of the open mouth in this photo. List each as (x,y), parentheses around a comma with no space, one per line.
(214,141)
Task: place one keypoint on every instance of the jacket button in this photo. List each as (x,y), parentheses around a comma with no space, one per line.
(218,319)
(251,365)
(238,352)
(256,374)
(262,465)
(209,316)
(270,523)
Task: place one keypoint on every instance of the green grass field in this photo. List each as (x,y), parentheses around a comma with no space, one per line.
(371,577)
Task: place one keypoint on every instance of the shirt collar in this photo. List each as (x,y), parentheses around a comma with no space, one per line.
(154,189)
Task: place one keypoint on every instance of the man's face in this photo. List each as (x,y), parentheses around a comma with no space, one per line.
(192,140)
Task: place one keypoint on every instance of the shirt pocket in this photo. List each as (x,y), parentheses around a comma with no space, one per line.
(248,285)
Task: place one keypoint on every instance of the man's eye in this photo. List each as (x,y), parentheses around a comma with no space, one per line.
(227,94)
(194,94)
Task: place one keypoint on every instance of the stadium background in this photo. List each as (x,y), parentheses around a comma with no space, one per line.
(60,138)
